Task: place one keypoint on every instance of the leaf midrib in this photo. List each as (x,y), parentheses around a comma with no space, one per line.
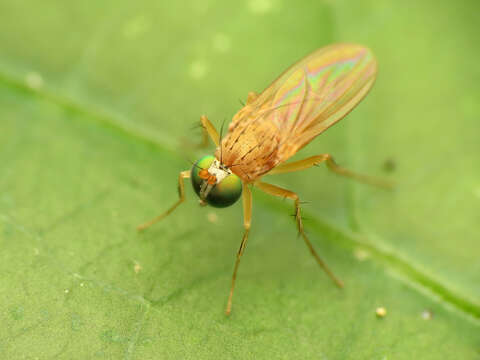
(422,282)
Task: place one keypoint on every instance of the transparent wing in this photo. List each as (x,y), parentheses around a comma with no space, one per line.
(313,94)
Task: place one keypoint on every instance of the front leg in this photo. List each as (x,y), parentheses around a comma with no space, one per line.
(247,217)
(181,194)
(209,131)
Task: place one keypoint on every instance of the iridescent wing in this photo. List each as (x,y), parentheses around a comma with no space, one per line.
(315,93)
(304,101)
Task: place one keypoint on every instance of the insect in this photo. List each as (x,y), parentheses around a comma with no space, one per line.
(308,98)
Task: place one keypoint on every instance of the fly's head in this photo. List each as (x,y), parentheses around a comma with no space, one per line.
(214,183)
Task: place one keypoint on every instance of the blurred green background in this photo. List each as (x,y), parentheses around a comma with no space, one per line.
(97,104)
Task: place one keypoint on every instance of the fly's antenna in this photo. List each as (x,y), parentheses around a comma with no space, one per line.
(194,164)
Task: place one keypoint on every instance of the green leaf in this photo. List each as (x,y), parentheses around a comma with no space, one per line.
(97,102)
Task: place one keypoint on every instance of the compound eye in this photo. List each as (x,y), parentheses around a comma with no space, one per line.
(200,173)
(223,194)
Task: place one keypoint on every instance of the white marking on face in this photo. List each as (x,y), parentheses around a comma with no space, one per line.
(216,169)
(219,173)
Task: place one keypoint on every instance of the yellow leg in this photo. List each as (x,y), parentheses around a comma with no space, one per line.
(181,193)
(251,97)
(332,165)
(277,191)
(209,131)
(247,217)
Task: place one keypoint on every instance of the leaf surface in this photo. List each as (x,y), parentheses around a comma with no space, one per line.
(97,102)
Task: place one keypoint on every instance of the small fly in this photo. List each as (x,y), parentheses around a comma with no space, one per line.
(304,101)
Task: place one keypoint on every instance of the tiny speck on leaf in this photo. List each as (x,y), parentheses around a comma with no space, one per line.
(361,254)
(212,217)
(381,312)
(34,80)
(137,267)
(389,165)
(427,314)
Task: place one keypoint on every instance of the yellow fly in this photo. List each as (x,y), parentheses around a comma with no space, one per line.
(304,101)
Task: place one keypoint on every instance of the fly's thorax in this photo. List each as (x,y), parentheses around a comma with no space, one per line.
(250,148)
(214,183)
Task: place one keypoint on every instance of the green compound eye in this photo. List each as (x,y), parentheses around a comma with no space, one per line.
(225,193)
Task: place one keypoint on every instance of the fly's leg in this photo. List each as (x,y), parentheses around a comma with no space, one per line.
(209,131)
(181,193)
(247,217)
(251,97)
(332,165)
(280,192)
